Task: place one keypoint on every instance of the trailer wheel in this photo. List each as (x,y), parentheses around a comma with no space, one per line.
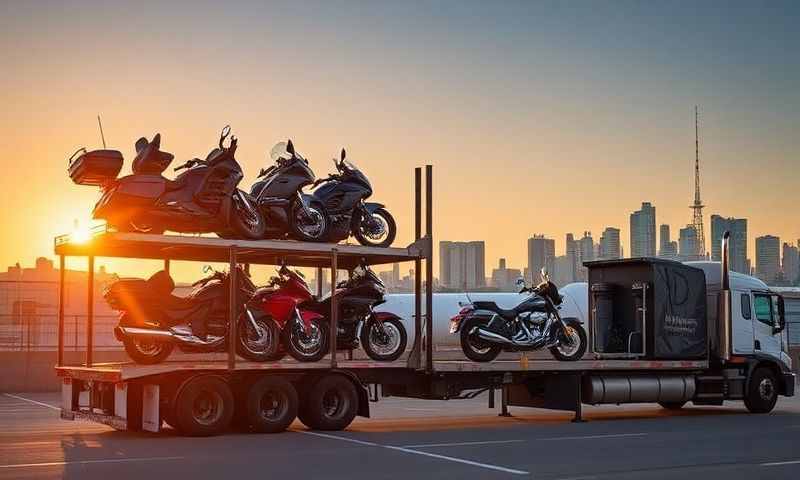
(672,405)
(331,404)
(762,391)
(204,406)
(271,405)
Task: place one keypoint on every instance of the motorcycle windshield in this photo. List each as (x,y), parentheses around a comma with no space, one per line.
(279,151)
(356,175)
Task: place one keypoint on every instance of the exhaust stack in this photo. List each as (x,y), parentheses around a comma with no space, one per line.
(724,306)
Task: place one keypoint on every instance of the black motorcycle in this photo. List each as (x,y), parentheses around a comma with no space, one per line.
(382,334)
(342,195)
(153,320)
(278,194)
(535,323)
(202,199)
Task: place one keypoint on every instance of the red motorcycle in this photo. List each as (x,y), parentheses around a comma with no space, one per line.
(305,333)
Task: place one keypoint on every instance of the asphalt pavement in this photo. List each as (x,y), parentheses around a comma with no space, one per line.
(419,439)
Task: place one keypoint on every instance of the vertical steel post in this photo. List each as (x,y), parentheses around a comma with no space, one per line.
(319,281)
(334,323)
(233,290)
(166,265)
(418,268)
(429,265)
(61,277)
(90,312)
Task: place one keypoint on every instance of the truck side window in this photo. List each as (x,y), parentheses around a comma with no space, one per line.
(763,307)
(746,306)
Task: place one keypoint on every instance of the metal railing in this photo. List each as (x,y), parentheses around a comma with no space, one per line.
(40,333)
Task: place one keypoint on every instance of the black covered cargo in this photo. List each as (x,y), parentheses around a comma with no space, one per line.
(660,301)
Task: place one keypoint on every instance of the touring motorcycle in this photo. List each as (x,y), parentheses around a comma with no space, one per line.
(486,329)
(153,320)
(342,196)
(278,194)
(381,334)
(204,198)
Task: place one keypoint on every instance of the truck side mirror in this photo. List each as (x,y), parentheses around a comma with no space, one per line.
(781,315)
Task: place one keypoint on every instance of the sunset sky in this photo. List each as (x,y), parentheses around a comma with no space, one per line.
(539,117)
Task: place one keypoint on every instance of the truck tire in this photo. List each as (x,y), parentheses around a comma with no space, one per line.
(762,391)
(672,405)
(204,406)
(271,405)
(331,403)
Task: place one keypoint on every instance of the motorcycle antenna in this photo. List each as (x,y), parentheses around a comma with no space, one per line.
(102,136)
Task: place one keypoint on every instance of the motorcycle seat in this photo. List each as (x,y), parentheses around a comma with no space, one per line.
(150,160)
(492,307)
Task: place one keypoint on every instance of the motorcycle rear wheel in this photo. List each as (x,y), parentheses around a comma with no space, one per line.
(147,353)
(474,348)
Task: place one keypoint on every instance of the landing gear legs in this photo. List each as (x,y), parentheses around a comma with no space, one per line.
(504,402)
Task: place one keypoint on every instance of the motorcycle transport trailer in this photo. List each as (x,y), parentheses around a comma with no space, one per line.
(206,397)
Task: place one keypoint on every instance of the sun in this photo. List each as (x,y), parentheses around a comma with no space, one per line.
(80,234)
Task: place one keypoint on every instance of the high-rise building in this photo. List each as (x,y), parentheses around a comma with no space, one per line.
(541,253)
(462,264)
(572,265)
(768,261)
(790,264)
(585,253)
(666,247)
(562,271)
(609,244)
(738,243)
(688,244)
(643,231)
(505,279)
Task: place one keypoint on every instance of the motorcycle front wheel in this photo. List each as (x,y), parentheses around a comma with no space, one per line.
(571,344)
(473,347)
(246,220)
(310,227)
(147,352)
(305,346)
(376,230)
(258,343)
(384,344)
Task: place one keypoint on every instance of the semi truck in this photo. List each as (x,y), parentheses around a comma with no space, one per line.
(660,332)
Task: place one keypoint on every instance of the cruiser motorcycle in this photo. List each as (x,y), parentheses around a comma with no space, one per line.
(342,196)
(278,194)
(382,334)
(486,329)
(204,198)
(153,320)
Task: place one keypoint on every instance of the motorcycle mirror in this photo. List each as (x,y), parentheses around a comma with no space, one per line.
(521,281)
(207,268)
(343,155)
(226,130)
(141,144)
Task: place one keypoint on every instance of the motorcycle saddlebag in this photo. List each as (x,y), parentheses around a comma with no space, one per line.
(97,167)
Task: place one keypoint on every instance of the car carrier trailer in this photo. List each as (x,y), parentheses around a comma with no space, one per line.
(204,397)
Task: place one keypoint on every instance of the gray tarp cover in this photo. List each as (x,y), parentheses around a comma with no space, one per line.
(679,312)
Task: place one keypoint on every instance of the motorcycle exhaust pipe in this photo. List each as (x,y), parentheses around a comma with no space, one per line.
(169,336)
(484,334)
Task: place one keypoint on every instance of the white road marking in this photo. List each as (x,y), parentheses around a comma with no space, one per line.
(89,462)
(458,444)
(41,404)
(591,437)
(423,409)
(417,452)
(777,464)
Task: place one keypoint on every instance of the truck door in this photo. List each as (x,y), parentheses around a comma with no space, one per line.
(765,318)
(742,320)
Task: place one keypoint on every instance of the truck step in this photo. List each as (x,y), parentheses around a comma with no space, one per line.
(710,395)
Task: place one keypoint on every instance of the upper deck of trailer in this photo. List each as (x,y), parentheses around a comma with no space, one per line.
(212,249)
